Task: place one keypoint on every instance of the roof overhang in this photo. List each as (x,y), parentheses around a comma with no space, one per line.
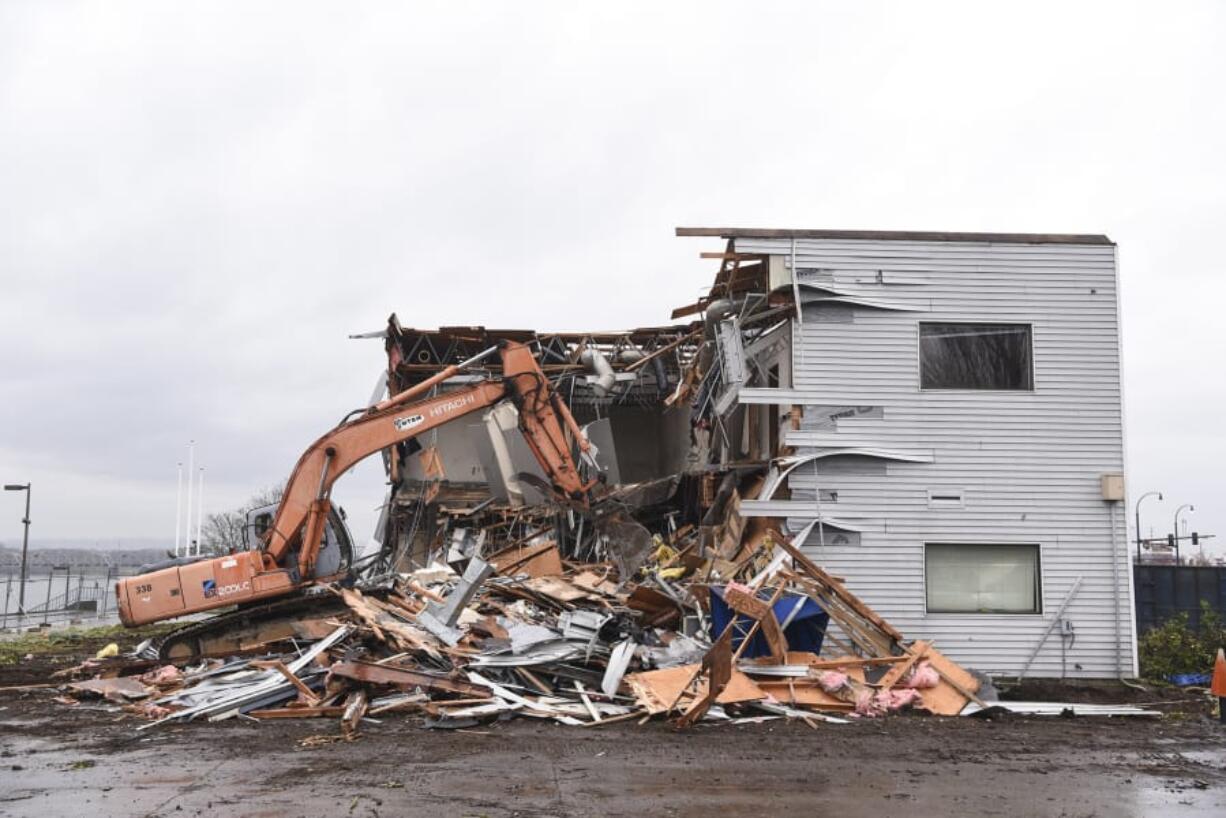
(896,235)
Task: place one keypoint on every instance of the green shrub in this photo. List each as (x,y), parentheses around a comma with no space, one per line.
(1174,647)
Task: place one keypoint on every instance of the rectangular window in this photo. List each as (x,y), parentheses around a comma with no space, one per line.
(982,578)
(975,356)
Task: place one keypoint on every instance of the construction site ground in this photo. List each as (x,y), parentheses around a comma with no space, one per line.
(57,759)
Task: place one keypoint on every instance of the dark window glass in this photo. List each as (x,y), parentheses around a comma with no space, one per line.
(975,356)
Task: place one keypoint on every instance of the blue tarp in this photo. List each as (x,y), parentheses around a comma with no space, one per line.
(1191,679)
(803,620)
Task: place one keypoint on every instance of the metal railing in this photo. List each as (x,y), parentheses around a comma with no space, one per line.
(83,595)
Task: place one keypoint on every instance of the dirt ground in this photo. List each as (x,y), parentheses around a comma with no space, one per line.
(91,759)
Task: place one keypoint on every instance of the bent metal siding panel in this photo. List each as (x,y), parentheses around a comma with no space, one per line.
(1027,464)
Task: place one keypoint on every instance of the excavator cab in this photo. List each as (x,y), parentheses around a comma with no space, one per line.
(183,585)
(335,551)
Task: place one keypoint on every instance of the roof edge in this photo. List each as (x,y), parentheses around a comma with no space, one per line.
(897,235)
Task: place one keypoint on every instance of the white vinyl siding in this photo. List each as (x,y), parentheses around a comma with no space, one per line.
(1027,463)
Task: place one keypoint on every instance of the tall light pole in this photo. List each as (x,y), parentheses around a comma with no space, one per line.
(1139,499)
(199,509)
(1190,508)
(187,530)
(25,546)
(179,510)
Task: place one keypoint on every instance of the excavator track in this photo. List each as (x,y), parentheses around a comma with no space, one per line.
(236,631)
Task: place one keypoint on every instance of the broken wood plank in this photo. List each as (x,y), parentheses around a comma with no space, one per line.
(587,702)
(717,670)
(402,677)
(894,675)
(355,709)
(838,590)
(297,713)
(305,692)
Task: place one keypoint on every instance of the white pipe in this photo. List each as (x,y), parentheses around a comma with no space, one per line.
(1116,590)
(599,366)
(179,511)
(187,529)
(199,509)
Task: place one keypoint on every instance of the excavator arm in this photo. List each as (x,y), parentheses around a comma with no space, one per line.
(298,526)
(304,507)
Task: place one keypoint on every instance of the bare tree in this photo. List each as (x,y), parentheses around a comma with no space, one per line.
(227,532)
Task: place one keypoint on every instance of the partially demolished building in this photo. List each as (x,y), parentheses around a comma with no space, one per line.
(934,418)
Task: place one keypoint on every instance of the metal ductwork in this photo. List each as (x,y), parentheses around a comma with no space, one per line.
(599,366)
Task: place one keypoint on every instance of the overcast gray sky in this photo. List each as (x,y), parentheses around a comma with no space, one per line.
(198,205)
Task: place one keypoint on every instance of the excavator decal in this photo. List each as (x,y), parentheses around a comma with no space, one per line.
(403,424)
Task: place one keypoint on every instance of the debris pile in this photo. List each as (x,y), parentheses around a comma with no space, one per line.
(500,626)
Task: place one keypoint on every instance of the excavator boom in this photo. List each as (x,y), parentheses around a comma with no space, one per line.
(287,563)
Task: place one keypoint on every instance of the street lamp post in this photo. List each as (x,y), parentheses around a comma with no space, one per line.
(25,546)
(1139,499)
(1190,508)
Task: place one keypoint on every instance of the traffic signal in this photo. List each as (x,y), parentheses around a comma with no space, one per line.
(1170,540)
(1195,538)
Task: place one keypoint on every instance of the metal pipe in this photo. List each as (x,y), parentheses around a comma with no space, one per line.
(199,509)
(1115,591)
(179,509)
(432,381)
(106,592)
(25,544)
(1072,592)
(1189,507)
(1138,509)
(187,531)
(596,363)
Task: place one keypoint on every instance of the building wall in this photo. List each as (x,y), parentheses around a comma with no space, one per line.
(1028,463)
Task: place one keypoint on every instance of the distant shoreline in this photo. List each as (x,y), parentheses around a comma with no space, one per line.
(44,558)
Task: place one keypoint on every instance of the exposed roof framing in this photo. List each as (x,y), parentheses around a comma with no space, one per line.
(415,354)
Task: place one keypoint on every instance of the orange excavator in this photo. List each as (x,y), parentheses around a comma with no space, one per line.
(288,562)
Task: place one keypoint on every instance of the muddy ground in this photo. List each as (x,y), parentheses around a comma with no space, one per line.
(90,759)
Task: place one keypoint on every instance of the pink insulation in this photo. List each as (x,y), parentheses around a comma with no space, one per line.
(922,677)
(872,704)
(831,680)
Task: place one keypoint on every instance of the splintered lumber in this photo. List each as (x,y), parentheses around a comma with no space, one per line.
(744,601)
(298,713)
(557,589)
(895,674)
(804,693)
(717,670)
(956,688)
(542,560)
(855,661)
(387,626)
(587,702)
(758,624)
(657,690)
(404,678)
(118,688)
(355,709)
(837,591)
(305,692)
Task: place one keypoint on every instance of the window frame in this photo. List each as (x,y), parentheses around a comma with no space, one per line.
(919,357)
(1038,578)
